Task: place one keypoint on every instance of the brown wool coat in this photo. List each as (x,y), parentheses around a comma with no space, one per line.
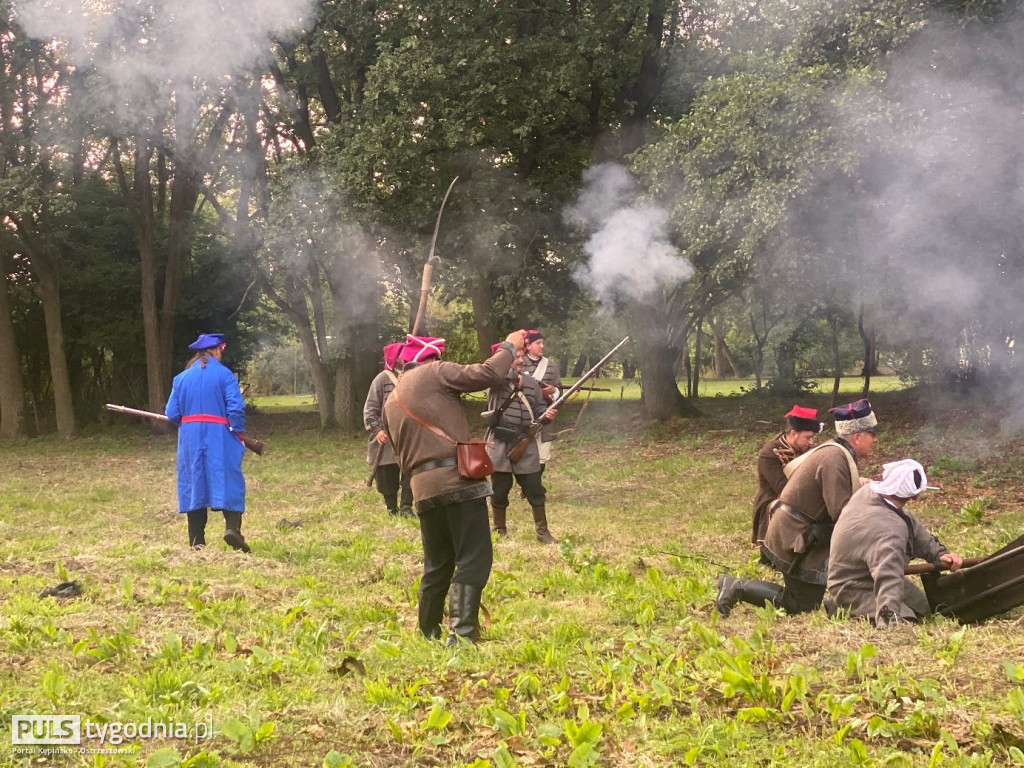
(820,487)
(770,482)
(431,391)
(871,546)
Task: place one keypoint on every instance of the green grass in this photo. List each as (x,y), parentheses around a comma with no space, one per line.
(630,390)
(603,650)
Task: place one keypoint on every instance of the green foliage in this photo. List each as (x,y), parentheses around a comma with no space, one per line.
(605,651)
(247,735)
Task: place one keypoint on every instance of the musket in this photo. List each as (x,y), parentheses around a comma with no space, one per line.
(428,268)
(251,443)
(421,309)
(916,569)
(531,432)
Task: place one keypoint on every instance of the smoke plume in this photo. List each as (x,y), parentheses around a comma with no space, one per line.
(629,251)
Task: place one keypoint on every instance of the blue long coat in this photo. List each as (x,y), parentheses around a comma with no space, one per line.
(209,454)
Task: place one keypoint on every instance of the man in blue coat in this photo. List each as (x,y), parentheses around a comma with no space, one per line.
(207,405)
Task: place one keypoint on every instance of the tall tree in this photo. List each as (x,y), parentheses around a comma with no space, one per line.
(34,179)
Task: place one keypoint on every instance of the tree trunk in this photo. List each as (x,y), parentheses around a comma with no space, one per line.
(758,365)
(698,360)
(355,298)
(660,393)
(642,92)
(785,362)
(723,355)
(13,416)
(628,370)
(47,271)
(837,361)
(867,335)
(581,364)
(486,334)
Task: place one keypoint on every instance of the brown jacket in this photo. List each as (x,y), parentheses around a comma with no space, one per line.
(819,488)
(431,391)
(871,546)
(770,482)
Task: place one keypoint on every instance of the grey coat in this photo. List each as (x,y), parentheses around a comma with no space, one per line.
(517,416)
(380,389)
(552,377)
(871,545)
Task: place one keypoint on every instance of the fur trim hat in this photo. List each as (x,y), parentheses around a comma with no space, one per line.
(853,418)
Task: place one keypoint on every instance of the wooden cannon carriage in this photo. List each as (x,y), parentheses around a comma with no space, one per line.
(983,588)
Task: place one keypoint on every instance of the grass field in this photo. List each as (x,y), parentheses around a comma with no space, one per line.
(630,390)
(603,650)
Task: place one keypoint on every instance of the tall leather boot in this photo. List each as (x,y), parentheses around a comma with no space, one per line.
(540,522)
(197,528)
(499,521)
(233,531)
(463,614)
(405,510)
(391,502)
(431,611)
(732,591)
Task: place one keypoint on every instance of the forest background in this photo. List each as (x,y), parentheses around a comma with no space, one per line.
(749,189)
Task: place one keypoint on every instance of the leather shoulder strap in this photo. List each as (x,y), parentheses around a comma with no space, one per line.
(792,466)
(431,427)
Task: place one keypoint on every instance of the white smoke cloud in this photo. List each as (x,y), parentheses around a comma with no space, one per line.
(167,39)
(629,249)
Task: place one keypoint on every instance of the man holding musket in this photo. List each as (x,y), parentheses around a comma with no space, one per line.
(873,543)
(452,510)
(206,403)
(545,371)
(514,404)
(820,484)
(801,425)
(379,453)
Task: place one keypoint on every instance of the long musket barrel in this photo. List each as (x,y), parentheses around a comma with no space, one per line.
(586,376)
(254,445)
(520,448)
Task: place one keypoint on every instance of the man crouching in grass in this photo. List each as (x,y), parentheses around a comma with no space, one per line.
(874,541)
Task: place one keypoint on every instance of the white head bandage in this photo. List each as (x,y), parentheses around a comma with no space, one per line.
(902,479)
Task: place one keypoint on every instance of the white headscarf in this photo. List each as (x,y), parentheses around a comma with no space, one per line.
(898,479)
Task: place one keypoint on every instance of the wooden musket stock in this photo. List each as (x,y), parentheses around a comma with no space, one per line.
(254,445)
(520,448)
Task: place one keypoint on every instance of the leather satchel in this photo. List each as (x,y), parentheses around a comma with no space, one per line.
(473,461)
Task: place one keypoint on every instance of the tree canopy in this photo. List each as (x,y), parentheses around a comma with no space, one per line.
(805,190)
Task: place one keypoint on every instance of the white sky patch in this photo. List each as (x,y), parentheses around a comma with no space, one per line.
(166,39)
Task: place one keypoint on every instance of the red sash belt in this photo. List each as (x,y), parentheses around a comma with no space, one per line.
(206,418)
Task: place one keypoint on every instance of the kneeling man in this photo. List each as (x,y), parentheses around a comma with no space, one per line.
(874,540)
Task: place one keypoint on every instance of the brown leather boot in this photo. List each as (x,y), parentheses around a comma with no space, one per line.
(540,522)
(499,522)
